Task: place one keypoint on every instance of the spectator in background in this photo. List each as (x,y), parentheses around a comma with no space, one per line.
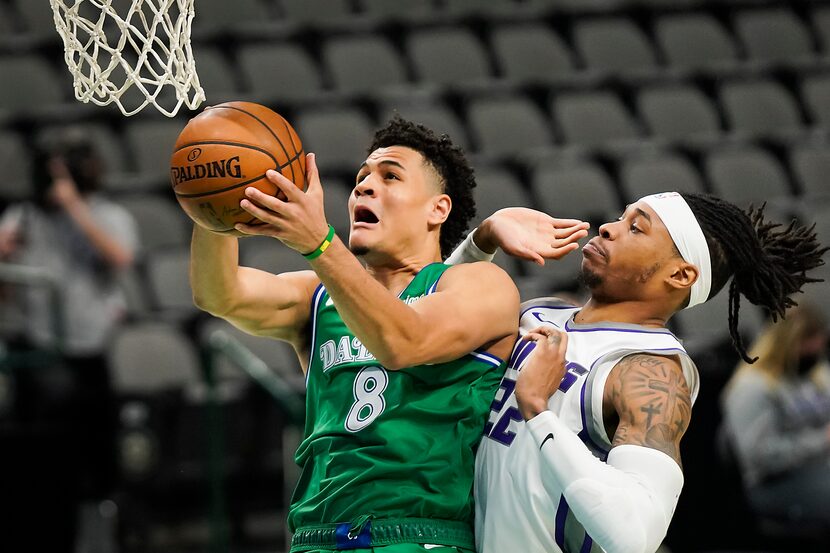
(777,418)
(84,240)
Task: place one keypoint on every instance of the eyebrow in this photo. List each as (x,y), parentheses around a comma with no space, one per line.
(644,214)
(380,163)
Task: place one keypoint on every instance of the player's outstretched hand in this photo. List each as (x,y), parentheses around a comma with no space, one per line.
(543,372)
(299,221)
(530,234)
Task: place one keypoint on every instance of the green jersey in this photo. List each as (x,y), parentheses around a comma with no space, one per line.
(388,444)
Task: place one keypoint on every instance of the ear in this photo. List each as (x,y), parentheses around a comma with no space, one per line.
(441,207)
(683,276)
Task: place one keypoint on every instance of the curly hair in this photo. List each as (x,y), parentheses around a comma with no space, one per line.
(768,262)
(448,160)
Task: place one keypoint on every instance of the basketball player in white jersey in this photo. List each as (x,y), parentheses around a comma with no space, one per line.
(581,451)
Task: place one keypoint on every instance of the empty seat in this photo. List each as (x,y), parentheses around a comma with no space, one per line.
(760,108)
(497,188)
(678,112)
(746,175)
(216,75)
(150,143)
(774,35)
(613,44)
(339,137)
(169,283)
(576,189)
(150,357)
(811,169)
(508,126)
(38,19)
(336,198)
(821,22)
(161,222)
(312,12)
(707,325)
(29,83)
(695,40)
(412,10)
(433,115)
(666,172)
(269,255)
(593,118)
(237,17)
(279,72)
(816,95)
(531,53)
(363,64)
(16,161)
(447,56)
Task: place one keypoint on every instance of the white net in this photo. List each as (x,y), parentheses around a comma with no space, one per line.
(131,52)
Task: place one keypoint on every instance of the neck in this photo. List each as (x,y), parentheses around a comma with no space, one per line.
(638,312)
(395,274)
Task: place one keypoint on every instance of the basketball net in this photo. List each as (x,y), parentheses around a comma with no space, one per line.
(145,47)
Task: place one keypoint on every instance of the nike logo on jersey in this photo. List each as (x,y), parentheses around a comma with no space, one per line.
(548,437)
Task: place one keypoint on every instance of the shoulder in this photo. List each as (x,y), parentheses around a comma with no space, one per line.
(648,364)
(646,377)
(478,275)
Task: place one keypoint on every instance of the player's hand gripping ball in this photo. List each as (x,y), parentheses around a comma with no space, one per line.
(225,149)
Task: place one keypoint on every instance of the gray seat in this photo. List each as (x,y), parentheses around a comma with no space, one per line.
(313,12)
(150,357)
(497,188)
(447,56)
(412,10)
(642,176)
(508,126)
(269,255)
(593,118)
(678,112)
(531,53)
(774,35)
(279,72)
(760,108)
(29,83)
(151,144)
(169,283)
(816,97)
(433,115)
(216,75)
(821,23)
(37,19)
(336,198)
(17,168)
(695,41)
(613,44)
(162,224)
(810,167)
(577,189)
(239,17)
(339,137)
(363,64)
(746,175)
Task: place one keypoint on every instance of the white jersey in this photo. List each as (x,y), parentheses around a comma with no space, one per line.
(514,512)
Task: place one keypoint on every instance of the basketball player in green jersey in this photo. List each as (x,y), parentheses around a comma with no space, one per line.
(402,353)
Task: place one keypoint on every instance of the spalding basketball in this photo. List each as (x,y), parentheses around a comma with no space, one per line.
(225,149)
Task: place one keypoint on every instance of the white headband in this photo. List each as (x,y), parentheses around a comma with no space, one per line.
(688,237)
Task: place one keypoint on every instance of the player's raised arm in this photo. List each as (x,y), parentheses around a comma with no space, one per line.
(256,301)
(523,233)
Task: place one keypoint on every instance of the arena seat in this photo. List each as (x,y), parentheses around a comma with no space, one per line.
(714,48)
(614,45)
(579,189)
(810,164)
(339,136)
(280,73)
(161,222)
(508,126)
(150,143)
(531,53)
(745,175)
(679,113)
(17,168)
(31,88)
(594,118)
(217,75)
(774,35)
(434,114)
(363,64)
(815,92)
(658,172)
(447,56)
(760,108)
(167,273)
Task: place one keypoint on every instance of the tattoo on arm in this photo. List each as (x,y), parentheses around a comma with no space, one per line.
(653,402)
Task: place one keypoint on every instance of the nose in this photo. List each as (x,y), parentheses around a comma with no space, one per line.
(605,230)
(364,188)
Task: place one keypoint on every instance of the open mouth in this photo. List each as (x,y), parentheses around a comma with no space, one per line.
(363,214)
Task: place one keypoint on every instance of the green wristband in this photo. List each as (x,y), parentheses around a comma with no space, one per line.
(322,247)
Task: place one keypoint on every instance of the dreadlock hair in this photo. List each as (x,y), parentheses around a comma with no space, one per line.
(457,178)
(768,262)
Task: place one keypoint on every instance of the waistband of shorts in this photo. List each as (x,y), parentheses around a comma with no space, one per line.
(385,531)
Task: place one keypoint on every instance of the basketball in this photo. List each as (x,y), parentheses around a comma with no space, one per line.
(225,149)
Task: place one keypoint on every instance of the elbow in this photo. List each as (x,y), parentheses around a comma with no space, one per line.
(214,306)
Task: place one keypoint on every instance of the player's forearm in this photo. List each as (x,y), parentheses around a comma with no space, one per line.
(470,250)
(388,327)
(625,504)
(214,271)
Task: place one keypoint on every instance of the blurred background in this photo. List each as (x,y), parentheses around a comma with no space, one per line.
(182,437)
